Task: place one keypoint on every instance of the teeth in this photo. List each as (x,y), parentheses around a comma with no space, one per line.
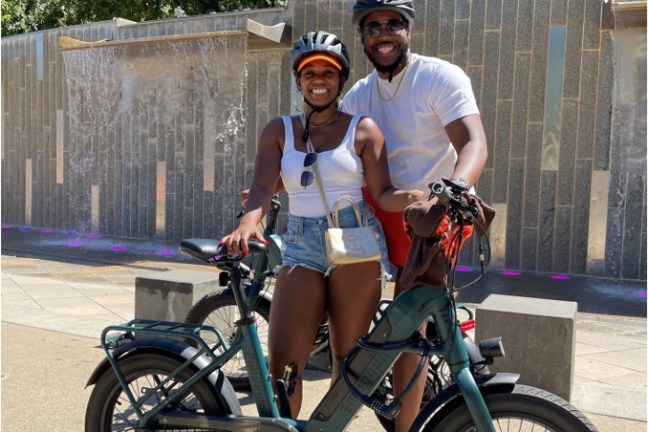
(385,49)
(319,91)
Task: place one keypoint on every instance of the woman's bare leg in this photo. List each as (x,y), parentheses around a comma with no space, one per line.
(298,303)
(353,296)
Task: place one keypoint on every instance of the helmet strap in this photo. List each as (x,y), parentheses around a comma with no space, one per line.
(317,109)
(392,67)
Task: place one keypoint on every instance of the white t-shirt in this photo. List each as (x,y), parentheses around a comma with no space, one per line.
(341,170)
(412,111)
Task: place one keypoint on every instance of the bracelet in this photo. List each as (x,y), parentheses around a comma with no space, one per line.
(410,196)
(460,181)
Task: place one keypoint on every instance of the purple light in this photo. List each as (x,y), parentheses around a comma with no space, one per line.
(463,269)
(75,243)
(561,276)
(46,231)
(25,229)
(6,226)
(164,252)
(511,273)
(93,236)
(71,234)
(118,248)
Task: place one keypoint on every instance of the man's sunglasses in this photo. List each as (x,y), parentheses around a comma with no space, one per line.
(307,176)
(393,26)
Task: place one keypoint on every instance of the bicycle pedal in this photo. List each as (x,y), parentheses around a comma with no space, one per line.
(289,378)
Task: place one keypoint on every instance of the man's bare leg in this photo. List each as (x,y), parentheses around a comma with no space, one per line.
(403,372)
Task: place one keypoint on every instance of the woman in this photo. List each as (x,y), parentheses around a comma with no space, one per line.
(350,151)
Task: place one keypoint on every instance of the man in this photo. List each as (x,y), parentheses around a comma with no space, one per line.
(427,112)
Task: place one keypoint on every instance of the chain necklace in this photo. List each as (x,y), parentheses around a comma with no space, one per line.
(400,81)
(327,122)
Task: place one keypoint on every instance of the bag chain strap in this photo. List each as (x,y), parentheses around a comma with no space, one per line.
(320,188)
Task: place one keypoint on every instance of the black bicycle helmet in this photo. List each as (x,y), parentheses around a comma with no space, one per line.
(321,42)
(362,8)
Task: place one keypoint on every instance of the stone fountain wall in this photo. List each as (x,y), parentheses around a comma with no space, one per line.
(154,139)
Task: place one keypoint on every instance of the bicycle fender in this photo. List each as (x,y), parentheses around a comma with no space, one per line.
(449,397)
(179,350)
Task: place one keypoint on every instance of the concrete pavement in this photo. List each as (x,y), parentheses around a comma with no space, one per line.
(56,301)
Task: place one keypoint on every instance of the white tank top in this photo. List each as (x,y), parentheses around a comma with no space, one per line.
(341,170)
(433,94)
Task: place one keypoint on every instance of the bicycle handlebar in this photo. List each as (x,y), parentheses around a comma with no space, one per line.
(450,195)
(211,250)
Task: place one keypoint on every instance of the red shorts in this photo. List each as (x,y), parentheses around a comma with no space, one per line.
(394,227)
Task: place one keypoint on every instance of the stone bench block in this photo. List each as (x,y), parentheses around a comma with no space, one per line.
(539,338)
(170,295)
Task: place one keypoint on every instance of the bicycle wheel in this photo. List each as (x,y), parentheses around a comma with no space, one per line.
(519,408)
(110,410)
(218,309)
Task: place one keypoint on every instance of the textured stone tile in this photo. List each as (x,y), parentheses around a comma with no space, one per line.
(493,14)
(476,35)
(507,51)
(447,28)
(547,220)
(567,153)
(461,43)
(573,48)
(502,151)
(529,246)
(533,175)
(604,108)
(592,25)
(539,61)
(561,240)
(636,202)
(587,106)
(580,224)
(515,211)
(520,103)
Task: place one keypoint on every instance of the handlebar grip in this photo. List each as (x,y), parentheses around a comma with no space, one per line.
(445,196)
(442,192)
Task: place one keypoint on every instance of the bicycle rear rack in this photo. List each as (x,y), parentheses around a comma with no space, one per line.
(115,336)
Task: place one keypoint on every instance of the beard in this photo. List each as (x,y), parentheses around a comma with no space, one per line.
(392,67)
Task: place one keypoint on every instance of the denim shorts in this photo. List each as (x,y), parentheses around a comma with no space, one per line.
(303,243)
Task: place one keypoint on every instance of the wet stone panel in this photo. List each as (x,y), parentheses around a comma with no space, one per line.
(177,101)
(553,99)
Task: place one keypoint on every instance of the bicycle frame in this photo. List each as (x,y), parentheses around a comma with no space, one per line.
(366,367)
(380,349)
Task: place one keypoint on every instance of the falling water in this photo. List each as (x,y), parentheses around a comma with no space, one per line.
(136,109)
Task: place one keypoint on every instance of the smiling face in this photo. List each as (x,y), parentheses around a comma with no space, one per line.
(387,50)
(320,82)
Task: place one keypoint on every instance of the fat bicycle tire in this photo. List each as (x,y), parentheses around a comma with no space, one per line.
(218,309)
(518,408)
(109,408)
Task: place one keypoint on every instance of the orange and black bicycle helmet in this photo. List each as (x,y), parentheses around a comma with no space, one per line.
(321,42)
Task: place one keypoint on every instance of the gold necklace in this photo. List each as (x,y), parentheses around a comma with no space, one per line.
(402,78)
(327,122)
